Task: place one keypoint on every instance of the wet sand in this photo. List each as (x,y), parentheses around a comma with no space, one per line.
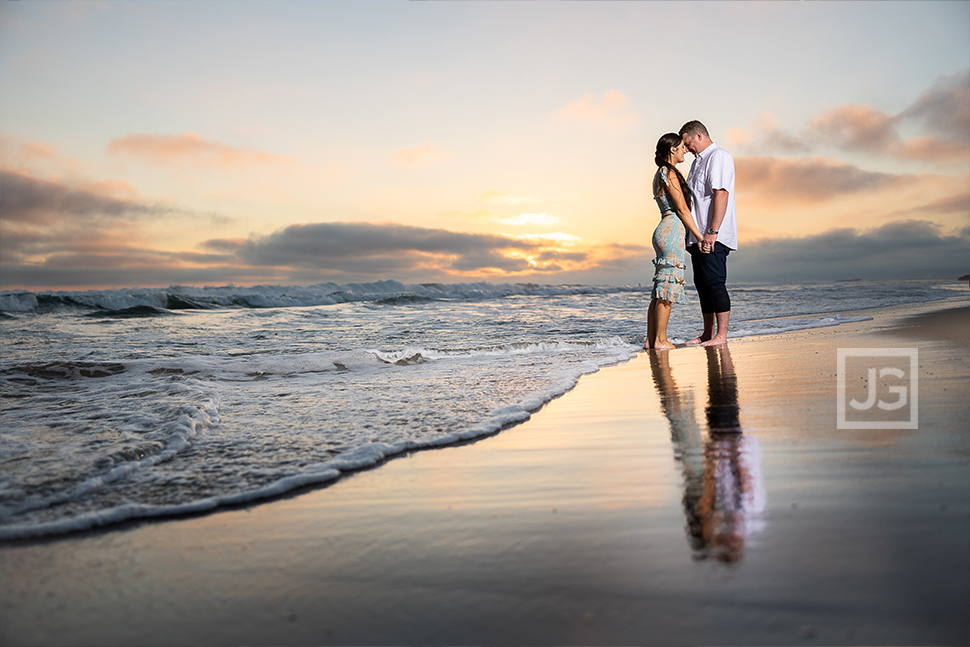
(694,497)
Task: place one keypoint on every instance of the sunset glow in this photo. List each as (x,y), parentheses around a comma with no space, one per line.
(157,143)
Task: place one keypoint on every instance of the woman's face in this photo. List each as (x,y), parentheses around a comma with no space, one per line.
(677,153)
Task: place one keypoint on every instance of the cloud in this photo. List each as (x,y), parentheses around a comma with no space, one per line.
(613,111)
(556,237)
(947,205)
(855,127)
(34,156)
(942,113)
(353,251)
(138,267)
(52,227)
(27,198)
(75,234)
(370,251)
(506,198)
(897,250)
(33,246)
(945,108)
(477,214)
(811,179)
(377,249)
(421,154)
(542,219)
(929,149)
(25,151)
(192,149)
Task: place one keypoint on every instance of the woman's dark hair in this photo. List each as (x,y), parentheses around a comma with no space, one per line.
(664,145)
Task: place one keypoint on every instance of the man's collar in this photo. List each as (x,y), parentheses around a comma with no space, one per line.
(707,151)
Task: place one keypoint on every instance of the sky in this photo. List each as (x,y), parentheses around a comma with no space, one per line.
(150,144)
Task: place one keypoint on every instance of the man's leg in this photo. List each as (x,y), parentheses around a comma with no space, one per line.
(715,268)
(698,261)
(721,320)
(708,330)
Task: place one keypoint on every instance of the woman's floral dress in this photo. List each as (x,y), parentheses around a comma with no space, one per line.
(668,243)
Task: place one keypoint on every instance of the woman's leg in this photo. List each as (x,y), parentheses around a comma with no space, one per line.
(651,324)
(663,316)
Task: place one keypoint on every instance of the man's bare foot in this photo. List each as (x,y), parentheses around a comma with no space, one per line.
(716,341)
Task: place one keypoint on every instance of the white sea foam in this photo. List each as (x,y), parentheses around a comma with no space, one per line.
(192,422)
(277,296)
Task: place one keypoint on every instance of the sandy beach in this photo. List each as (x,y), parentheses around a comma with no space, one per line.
(694,497)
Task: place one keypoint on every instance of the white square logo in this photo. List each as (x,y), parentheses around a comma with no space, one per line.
(878,388)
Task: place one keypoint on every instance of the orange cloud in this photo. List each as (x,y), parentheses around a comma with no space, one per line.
(957,204)
(115,188)
(943,113)
(930,149)
(34,156)
(47,224)
(779,196)
(191,148)
(856,127)
(613,111)
(478,214)
(506,198)
(421,154)
(542,219)
(812,179)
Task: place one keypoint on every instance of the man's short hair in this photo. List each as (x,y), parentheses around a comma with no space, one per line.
(691,128)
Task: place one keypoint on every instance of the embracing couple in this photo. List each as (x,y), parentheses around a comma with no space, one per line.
(703,204)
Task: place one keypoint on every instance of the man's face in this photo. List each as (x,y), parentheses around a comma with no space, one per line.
(691,142)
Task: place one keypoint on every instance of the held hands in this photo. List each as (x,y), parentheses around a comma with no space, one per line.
(706,244)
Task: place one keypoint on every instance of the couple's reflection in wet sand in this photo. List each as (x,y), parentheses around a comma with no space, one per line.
(724,498)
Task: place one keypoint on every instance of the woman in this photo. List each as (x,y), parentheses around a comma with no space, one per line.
(673,197)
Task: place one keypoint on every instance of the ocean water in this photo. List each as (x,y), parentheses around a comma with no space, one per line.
(128,404)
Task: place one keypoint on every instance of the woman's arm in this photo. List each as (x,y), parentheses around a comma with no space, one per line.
(681,206)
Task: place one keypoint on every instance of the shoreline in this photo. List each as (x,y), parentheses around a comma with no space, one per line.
(584,524)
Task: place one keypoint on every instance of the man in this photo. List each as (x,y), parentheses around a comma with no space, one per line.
(711,180)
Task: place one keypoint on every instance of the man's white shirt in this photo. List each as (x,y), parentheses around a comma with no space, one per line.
(713,170)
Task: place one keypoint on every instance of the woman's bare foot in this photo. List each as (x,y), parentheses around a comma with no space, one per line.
(663,345)
(700,339)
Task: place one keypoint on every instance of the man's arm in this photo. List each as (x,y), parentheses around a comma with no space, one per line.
(718,208)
